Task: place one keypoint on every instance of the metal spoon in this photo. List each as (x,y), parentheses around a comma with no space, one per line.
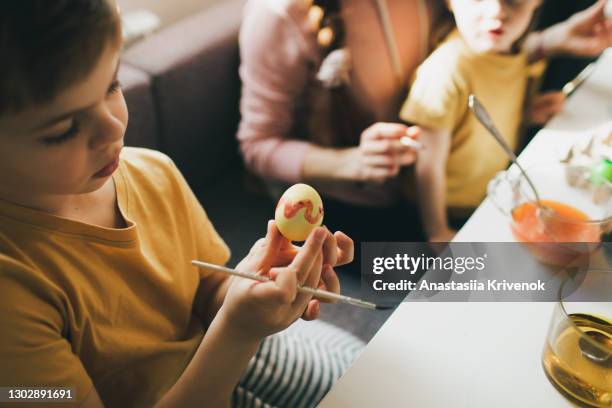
(484,118)
(593,353)
(601,333)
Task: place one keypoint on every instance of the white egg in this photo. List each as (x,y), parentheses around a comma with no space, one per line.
(298,212)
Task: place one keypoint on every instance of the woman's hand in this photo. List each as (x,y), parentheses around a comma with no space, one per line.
(544,106)
(380,153)
(253,310)
(585,34)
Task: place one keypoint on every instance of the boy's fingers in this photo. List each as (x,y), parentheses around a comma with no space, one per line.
(307,254)
(285,257)
(286,244)
(269,292)
(311,281)
(346,248)
(330,248)
(283,288)
(312,311)
(286,282)
(264,252)
(314,273)
(286,253)
(329,282)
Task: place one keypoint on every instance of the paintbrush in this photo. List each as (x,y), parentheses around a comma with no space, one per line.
(570,87)
(322,294)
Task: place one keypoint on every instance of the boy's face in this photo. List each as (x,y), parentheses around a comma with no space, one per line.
(492,25)
(70,145)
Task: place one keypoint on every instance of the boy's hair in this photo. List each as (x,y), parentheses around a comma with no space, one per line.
(47,46)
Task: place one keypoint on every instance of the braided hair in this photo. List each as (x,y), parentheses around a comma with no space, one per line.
(335,119)
(327,21)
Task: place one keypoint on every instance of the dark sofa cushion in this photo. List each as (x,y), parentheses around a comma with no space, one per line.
(142,125)
(194,73)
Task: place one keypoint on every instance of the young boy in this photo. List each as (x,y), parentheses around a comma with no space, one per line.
(482,56)
(98,293)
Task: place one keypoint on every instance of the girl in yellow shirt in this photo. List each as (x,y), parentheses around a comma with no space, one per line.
(483,55)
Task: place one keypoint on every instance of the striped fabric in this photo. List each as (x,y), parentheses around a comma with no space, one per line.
(296,367)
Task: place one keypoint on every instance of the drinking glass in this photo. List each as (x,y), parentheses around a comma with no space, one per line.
(577,356)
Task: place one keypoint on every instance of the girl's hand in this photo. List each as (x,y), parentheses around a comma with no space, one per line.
(586,34)
(253,310)
(545,106)
(380,153)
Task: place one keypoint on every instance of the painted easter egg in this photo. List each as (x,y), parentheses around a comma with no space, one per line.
(298,212)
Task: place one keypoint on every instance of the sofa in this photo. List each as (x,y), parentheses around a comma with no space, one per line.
(182,89)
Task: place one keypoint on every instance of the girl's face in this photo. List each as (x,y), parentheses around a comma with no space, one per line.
(70,145)
(492,25)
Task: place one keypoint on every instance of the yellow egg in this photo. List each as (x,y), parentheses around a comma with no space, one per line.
(298,212)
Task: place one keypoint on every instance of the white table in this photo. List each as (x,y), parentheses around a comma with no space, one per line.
(474,354)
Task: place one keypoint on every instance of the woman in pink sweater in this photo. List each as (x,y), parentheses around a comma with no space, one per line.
(304,121)
(322,85)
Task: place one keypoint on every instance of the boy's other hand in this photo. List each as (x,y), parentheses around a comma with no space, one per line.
(253,310)
(338,249)
(545,106)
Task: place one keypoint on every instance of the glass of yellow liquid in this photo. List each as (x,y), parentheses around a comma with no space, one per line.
(577,356)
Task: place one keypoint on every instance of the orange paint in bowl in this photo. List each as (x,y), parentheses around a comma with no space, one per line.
(558,223)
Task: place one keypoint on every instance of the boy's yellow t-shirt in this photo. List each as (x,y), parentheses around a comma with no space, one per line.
(82,304)
(438,100)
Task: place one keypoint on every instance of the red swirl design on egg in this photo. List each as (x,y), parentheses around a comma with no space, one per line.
(291,209)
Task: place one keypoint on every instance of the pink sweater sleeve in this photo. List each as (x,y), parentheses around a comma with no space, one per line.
(276,52)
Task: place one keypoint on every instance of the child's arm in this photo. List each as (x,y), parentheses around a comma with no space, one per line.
(585,34)
(431,184)
(212,374)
